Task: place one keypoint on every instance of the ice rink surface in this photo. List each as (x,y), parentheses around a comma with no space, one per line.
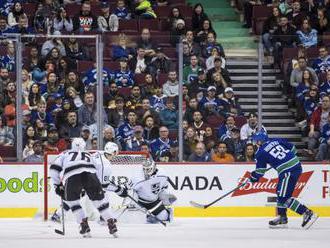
(184,232)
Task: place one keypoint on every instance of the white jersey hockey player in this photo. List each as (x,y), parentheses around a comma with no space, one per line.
(151,187)
(78,172)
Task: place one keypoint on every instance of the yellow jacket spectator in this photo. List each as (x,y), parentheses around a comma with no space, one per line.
(144,10)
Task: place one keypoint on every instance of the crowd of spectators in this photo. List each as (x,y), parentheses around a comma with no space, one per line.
(140,95)
(297,34)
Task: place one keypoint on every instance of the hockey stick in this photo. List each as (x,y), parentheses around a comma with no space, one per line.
(147,211)
(204,206)
(61,232)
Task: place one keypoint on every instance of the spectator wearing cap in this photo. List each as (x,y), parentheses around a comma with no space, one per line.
(140,62)
(134,101)
(147,43)
(38,154)
(121,11)
(70,128)
(85,21)
(26,118)
(52,141)
(144,10)
(134,142)
(87,112)
(159,63)
(158,100)
(190,72)
(234,144)
(169,116)
(251,127)
(221,155)
(171,155)
(124,77)
(160,144)
(200,154)
(62,22)
(116,116)
(211,99)
(171,86)
(107,21)
(210,44)
(122,49)
(178,33)
(125,131)
(151,130)
(232,107)
(146,111)
(224,130)
(218,67)
(86,135)
(199,86)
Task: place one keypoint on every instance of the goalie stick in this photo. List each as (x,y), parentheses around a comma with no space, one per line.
(204,206)
(61,232)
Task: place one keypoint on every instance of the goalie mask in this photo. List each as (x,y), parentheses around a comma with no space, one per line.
(78,144)
(111,149)
(149,167)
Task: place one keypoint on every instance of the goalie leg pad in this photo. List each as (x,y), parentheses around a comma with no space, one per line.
(167,199)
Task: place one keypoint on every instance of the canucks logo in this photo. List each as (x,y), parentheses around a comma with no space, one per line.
(155,188)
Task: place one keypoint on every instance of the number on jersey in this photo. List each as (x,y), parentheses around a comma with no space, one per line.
(84,156)
(279,152)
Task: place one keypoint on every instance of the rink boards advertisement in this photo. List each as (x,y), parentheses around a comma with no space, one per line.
(22,189)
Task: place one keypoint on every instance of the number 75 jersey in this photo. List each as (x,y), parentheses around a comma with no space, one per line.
(69,163)
(279,154)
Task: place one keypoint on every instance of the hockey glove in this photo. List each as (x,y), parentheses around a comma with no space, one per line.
(121,191)
(59,190)
(254,177)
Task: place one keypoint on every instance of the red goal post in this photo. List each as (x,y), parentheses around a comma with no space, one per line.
(123,159)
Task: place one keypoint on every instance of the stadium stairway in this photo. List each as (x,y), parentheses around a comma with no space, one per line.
(235,39)
(277,118)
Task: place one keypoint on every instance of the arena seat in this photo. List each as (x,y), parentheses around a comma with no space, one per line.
(260,13)
(128,25)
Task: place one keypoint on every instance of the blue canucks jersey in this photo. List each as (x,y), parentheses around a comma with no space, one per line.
(90,77)
(325,88)
(279,154)
(325,136)
(120,75)
(8,62)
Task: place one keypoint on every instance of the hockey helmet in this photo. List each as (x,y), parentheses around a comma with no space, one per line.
(111,148)
(260,137)
(149,167)
(78,144)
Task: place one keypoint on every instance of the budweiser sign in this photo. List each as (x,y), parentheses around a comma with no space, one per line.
(269,185)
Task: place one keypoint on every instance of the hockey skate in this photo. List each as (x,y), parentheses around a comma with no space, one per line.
(279,222)
(309,218)
(112,227)
(102,221)
(56,218)
(84,229)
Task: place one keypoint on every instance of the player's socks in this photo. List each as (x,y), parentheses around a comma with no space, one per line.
(309,218)
(84,228)
(56,218)
(279,222)
(112,226)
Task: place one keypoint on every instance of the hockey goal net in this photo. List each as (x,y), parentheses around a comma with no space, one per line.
(124,166)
